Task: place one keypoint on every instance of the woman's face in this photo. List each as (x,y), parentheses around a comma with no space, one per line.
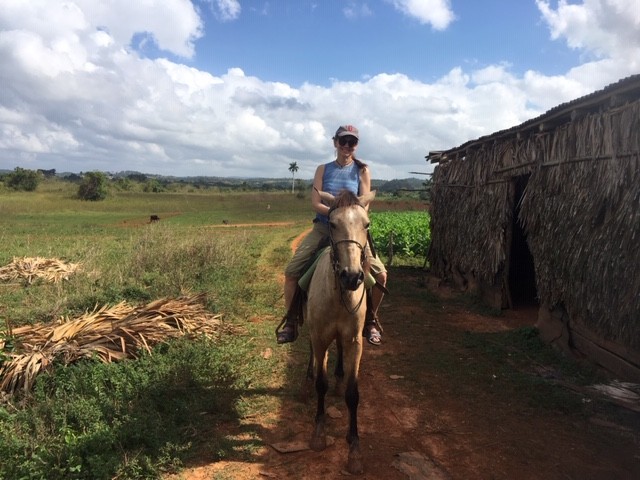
(346,144)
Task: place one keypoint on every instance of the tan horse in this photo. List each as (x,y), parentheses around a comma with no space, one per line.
(335,311)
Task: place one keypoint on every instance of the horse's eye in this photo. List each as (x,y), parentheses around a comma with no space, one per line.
(366,227)
(332,225)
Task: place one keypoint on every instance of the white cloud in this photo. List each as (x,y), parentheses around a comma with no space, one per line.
(173,25)
(226,10)
(602,28)
(76,97)
(355,10)
(438,13)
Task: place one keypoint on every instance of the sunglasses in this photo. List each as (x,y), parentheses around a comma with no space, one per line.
(347,140)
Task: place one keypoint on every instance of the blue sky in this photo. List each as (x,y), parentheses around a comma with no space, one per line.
(312,41)
(244,88)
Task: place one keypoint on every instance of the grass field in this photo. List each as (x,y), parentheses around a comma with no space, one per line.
(121,252)
(140,419)
(94,420)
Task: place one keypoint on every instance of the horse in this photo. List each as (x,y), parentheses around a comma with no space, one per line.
(335,311)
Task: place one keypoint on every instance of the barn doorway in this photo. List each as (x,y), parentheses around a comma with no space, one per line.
(522,276)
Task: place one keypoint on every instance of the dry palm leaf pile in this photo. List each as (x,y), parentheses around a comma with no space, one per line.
(108,334)
(30,268)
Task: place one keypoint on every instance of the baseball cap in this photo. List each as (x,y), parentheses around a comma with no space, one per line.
(345,130)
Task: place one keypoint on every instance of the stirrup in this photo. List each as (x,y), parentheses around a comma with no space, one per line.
(372,320)
(286,331)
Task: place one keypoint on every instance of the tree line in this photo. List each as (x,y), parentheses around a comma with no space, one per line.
(94,186)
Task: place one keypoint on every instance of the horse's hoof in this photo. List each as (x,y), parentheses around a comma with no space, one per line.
(355,465)
(318,444)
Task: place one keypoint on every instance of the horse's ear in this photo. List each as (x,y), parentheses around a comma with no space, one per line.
(367,198)
(326,197)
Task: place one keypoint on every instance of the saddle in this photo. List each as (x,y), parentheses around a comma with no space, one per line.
(300,295)
(295,312)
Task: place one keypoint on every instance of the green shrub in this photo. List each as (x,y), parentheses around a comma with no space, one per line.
(93,186)
(23,179)
(154,186)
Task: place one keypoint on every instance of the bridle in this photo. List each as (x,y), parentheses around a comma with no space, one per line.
(335,265)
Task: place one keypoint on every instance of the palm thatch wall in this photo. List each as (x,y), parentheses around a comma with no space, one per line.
(570,180)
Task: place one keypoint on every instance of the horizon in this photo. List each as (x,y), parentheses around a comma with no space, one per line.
(236,177)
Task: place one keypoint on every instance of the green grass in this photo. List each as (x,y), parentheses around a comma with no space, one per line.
(135,418)
(512,362)
(138,419)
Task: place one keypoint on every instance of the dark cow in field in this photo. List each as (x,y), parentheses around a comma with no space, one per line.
(154,218)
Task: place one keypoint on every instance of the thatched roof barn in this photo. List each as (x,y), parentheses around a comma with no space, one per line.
(548,212)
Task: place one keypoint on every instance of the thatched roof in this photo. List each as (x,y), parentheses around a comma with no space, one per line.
(618,93)
(580,209)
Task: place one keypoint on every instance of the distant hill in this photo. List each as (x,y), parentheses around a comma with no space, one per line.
(386,186)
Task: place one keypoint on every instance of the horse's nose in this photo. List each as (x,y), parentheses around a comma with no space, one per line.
(351,280)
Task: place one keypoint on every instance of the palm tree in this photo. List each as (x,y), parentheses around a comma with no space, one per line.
(293,168)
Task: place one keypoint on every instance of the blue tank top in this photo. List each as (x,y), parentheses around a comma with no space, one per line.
(336,179)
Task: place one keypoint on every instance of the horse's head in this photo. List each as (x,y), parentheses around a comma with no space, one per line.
(348,230)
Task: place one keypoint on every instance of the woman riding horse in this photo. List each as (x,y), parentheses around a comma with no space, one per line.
(335,311)
(346,172)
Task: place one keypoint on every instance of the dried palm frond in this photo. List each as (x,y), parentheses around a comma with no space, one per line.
(30,268)
(106,333)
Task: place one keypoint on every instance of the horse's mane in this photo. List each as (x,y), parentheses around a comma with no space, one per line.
(345,198)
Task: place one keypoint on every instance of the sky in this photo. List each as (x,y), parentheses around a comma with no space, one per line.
(235,88)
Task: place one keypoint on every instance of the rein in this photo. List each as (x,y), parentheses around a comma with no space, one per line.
(335,265)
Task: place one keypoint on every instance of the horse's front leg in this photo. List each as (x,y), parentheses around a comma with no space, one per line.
(339,370)
(352,399)
(319,438)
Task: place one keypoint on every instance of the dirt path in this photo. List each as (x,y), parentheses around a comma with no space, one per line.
(431,407)
(264,224)
(417,422)
(139,222)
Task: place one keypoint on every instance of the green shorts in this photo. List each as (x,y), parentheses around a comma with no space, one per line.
(309,245)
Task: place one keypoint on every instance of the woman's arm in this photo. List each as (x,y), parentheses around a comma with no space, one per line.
(365,182)
(316,202)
